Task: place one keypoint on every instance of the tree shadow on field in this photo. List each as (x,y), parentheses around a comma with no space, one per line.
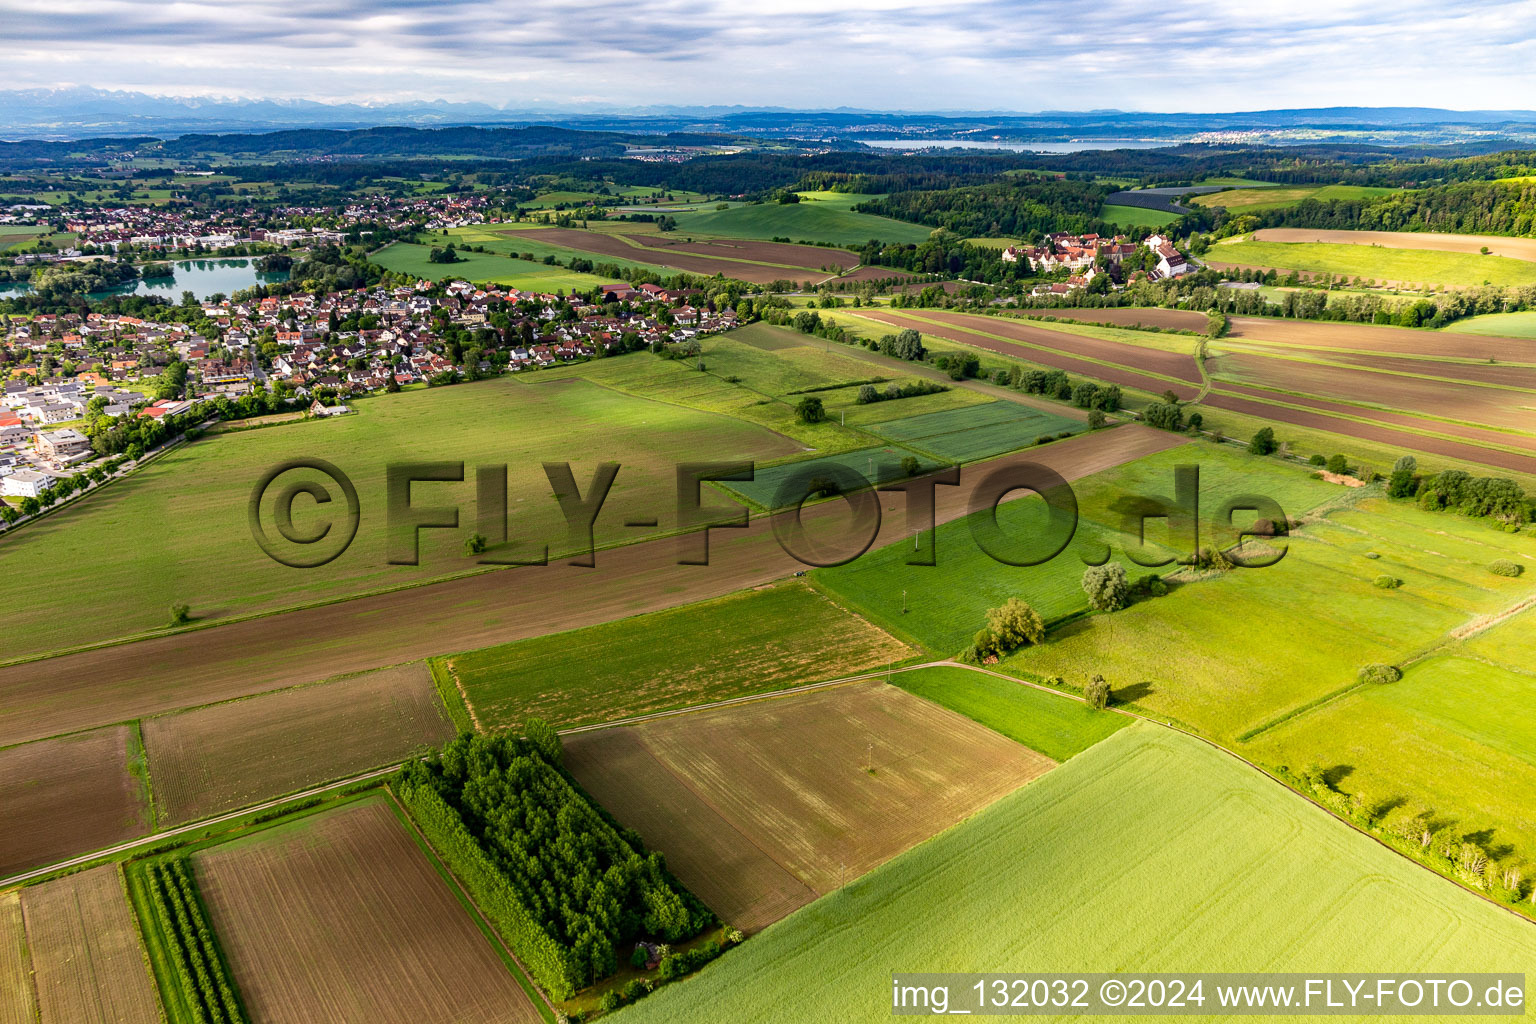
(1382,808)
(1337,774)
(1133,693)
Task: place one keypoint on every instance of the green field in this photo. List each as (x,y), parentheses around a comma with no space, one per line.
(977,432)
(483,268)
(1250,200)
(748,643)
(823,217)
(1056,726)
(759,372)
(1378,263)
(946,604)
(1453,738)
(876,465)
(194,544)
(515,242)
(1136,216)
(1319,612)
(995,243)
(1504,325)
(550,200)
(1149,852)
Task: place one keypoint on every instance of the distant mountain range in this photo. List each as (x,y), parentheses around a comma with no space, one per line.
(74,113)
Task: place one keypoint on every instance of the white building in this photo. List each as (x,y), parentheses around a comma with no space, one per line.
(26,483)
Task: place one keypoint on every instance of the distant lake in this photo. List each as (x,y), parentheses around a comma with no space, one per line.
(202,278)
(1078,146)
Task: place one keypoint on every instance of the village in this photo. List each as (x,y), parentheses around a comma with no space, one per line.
(1086,257)
(68,377)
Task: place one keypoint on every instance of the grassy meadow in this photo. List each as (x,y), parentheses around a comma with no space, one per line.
(188,510)
(1502,325)
(509,241)
(1251,200)
(759,373)
(1379,263)
(1056,726)
(819,217)
(1212,868)
(942,606)
(481,268)
(1136,216)
(1319,610)
(748,643)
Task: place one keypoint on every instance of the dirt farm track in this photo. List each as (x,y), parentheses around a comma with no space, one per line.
(113,684)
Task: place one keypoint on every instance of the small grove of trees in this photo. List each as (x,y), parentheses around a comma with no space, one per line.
(1106,587)
(561,883)
(1455,490)
(1011,626)
(868,393)
(444,255)
(1164,415)
(1263,442)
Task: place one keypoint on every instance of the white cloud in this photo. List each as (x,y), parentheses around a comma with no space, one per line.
(894,54)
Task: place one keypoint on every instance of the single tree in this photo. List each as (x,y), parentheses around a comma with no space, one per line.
(1263,442)
(1097,692)
(1106,587)
(1015,624)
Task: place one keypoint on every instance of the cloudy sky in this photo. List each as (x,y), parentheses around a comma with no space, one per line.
(888,54)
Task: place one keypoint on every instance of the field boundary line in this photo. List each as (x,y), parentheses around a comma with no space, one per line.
(1292,358)
(941,324)
(1347,417)
(1266,346)
(191,826)
(1373,406)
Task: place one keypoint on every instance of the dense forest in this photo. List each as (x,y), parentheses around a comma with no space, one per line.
(1023,207)
(1467,208)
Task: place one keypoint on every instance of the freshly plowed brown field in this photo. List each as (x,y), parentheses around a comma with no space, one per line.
(1127,365)
(1367,338)
(341,917)
(786,254)
(611,245)
(18,999)
(1493,407)
(90,688)
(68,796)
(1497,245)
(231,755)
(1486,373)
(1349,428)
(85,949)
(1147,316)
(825,785)
(736,878)
(1474,435)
